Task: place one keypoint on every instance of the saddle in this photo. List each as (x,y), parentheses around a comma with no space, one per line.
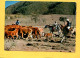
(69,30)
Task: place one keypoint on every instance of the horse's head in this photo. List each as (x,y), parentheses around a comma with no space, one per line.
(46,26)
(53,25)
(61,26)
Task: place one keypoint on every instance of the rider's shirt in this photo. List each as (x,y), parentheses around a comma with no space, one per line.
(17,22)
(55,23)
(68,23)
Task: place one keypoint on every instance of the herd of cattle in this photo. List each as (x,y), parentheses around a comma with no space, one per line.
(12,31)
(16,31)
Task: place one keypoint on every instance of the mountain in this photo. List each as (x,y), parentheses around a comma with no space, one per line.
(27,8)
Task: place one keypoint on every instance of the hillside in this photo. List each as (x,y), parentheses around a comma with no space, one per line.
(28,8)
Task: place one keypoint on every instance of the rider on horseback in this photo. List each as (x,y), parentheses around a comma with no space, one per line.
(55,24)
(17,22)
(68,24)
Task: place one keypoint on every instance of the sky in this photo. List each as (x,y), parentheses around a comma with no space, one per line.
(8,3)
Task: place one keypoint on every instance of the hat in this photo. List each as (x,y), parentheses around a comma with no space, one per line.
(17,20)
(55,21)
(67,19)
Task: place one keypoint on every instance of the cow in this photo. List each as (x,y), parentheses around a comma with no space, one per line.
(35,32)
(25,31)
(11,34)
(10,30)
(9,27)
(41,31)
(12,26)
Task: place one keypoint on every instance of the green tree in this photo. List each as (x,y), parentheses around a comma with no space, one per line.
(63,19)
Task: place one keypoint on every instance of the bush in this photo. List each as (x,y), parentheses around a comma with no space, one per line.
(44,21)
(62,19)
(35,17)
(11,17)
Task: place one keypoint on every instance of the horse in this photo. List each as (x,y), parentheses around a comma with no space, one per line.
(74,32)
(51,28)
(65,31)
(57,29)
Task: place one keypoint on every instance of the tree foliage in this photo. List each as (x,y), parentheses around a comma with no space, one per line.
(62,19)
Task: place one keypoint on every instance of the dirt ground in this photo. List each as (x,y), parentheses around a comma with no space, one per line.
(41,44)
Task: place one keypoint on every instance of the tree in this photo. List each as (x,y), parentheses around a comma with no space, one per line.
(63,19)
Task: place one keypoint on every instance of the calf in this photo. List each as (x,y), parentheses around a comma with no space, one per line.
(48,36)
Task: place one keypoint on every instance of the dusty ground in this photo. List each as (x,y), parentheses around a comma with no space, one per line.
(53,45)
(40,45)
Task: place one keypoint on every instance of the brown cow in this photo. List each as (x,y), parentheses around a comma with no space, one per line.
(12,26)
(11,30)
(24,30)
(41,31)
(12,33)
(35,31)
